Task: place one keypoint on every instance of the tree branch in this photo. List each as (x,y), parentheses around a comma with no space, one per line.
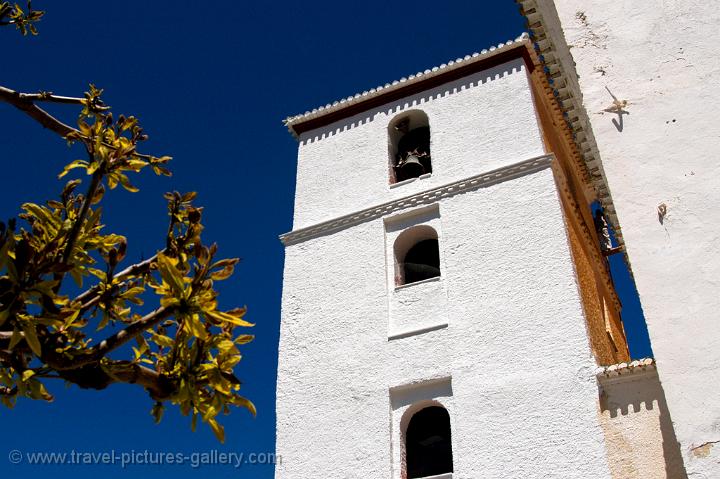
(25,103)
(159,386)
(96,353)
(100,376)
(125,335)
(91,295)
(35,112)
(6,391)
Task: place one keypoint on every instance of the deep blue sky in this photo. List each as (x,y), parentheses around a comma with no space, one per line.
(211,82)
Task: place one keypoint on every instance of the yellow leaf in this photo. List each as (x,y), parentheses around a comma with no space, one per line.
(220,316)
(73,165)
(217,429)
(226,345)
(195,326)
(71,319)
(244,339)
(224,273)
(170,274)
(92,167)
(162,340)
(246,403)
(126,184)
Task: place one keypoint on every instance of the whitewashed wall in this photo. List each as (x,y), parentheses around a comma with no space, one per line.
(343,167)
(524,395)
(509,345)
(661,57)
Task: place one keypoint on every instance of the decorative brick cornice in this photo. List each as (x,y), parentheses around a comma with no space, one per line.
(587,236)
(425,197)
(557,64)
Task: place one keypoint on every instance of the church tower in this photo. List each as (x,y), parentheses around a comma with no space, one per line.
(446,301)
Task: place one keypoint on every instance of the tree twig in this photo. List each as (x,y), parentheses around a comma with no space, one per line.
(91,293)
(80,219)
(50,98)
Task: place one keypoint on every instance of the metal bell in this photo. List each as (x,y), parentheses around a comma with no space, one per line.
(411,167)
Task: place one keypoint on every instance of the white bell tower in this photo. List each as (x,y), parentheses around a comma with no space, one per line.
(436,320)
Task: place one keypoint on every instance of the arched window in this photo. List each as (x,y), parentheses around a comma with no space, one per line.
(409,137)
(417,255)
(428,449)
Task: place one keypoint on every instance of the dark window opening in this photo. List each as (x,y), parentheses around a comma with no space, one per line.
(410,146)
(428,446)
(422,261)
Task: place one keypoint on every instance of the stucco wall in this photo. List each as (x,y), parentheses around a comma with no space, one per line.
(661,57)
(641,442)
(344,167)
(523,397)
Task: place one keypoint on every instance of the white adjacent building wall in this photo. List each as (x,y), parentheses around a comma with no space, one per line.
(507,354)
(659,59)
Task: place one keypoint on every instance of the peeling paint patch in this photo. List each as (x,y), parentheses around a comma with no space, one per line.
(703,450)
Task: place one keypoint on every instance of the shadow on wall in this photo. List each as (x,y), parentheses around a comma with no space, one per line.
(414,100)
(638,428)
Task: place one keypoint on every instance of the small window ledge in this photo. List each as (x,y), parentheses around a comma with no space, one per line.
(414,332)
(447,475)
(423,281)
(410,180)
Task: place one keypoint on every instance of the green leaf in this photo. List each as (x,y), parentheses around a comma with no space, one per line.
(15,338)
(157,411)
(38,391)
(4,314)
(31,338)
(77,277)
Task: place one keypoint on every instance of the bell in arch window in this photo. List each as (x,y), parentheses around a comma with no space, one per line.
(409,136)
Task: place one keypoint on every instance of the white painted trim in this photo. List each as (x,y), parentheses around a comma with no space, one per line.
(410,180)
(482,180)
(413,332)
(422,281)
(626,371)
